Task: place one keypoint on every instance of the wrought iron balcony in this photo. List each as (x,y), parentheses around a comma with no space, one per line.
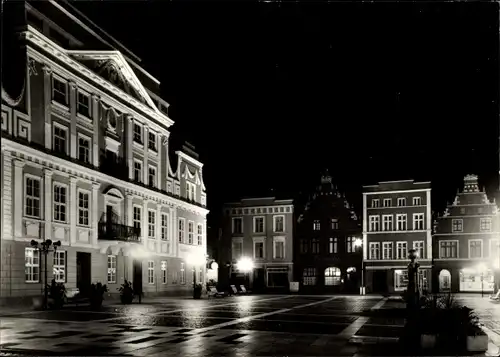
(116,231)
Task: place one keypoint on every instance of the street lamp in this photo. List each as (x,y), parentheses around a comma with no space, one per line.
(245,265)
(358,242)
(44,247)
(482,269)
(195,260)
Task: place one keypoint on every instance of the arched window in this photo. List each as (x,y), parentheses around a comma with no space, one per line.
(332,276)
(309,276)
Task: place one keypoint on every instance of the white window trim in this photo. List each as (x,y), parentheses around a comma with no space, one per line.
(86,94)
(190,223)
(78,208)
(497,241)
(453,225)
(396,272)
(391,222)
(40,199)
(153,211)
(151,269)
(482,247)
(392,250)
(141,171)
(140,217)
(156,142)
(405,220)
(80,135)
(234,241)
(199,236)
(259,240)
(142,133)
(318,223)
(274,223)
(387,200)
(65,81)
(66,204)
(397,249)
(414,221)
(375,200)
(167,235)
(164,268)
(263,224)
(423,247)
(64,128)
(183,231)
(56,254)
(112,270)
(190,190)
(155,180)
(35,252)
(417,201)
(233,225)
(403,200)
(375,218)
(481,223)
(276,240)
(446,241)
(375,244)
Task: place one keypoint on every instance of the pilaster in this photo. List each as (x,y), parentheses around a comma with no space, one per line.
(174,232)
(145,165)
(47,178)
(159,176)
(47,105)
(73,201)
(428,224)
(95,122)
(7,196)
(159,207)
(72,110)
(129,216)
(18,197)
(129,145)
(144,233)
(166,163)
(95,212)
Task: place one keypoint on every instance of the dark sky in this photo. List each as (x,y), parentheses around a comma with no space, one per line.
(270,95)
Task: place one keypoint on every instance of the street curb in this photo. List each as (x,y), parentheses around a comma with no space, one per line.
(365,340)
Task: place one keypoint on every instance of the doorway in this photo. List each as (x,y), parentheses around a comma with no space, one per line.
(444,280)
(83,273)
(380,281)
(137,276)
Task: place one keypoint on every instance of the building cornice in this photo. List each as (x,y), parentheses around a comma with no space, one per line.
(189,159)
(413,190)
(94,175)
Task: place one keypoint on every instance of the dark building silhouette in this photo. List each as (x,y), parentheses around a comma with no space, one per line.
(327,254)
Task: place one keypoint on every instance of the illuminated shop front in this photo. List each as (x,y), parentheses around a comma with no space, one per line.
(476,280)
(401,279)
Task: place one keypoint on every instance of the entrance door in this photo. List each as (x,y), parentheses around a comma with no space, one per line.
(83,273)
(380,281)
(444,280)
(137,276)
(259,282)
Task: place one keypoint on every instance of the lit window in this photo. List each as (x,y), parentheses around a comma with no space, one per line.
(183,274)
(32,265)
(333,245)
(163,271)
(309,276)
(335,223)
(111,269)
(316,225)
(332,276)
(350,244)
(59,266)
(151,272)
(315,246)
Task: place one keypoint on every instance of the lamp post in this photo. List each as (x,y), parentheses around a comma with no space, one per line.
(413,289)
(245,265)
(44,247)
(482,270)
(358,242)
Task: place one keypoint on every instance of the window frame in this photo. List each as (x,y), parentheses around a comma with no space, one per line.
(259,241)
(89,149)
(83,209)
(263,224)
(58,78)
(375,203)
(481,245)
(56,257)
(134,220)
(112,261)
(421,218)
(275,225)
(400,255)
(57,125)
(235,242)
(165,224)
(199,234)
(31,265)
(31,197)
(190,232)
(135,139)
(401,202)
(391,245)
(140,170)
(151,272)
(404,221)
(181,233)
(279,240)
(376,245)
(418,249)
(59,204)
(233,225)
(374,223)
(155,177)
(387,200)
(316,225)
(164,271)
(78,104)
(417,201)
(155,146)
(152,223)
(459,222)
(485,220)
(447,241)
(390,222)
(182,270)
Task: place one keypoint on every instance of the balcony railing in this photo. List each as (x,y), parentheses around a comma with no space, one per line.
(116,231)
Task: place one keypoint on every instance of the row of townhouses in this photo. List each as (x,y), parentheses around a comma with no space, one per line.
(85,160)
(326,248)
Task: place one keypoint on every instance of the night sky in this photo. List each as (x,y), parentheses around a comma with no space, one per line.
(272,94)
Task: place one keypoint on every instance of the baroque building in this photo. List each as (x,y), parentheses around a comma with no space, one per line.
(466,242)
(85,161)
(396,218)
(260,230)
(328,254)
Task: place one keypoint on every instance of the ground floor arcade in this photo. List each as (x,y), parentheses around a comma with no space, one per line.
(465,276)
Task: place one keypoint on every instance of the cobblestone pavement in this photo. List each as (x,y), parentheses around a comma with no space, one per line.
(231,326)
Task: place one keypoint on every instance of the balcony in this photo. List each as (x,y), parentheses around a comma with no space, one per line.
(116,231)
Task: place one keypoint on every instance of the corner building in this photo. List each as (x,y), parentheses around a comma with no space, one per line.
(396,218)
(85,160)
(466,242)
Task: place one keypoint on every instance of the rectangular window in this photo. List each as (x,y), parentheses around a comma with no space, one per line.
(152,141)
(387,222)
(199,234)
(386,250)
(316,225)
(419,248)
(83,208)
(32,265)
(387,202)
(138,171)
(183,274)
(279,223)
(151,272)
(417,201)
(137,217)
(315,246)
(457,225)
(138,133)
(258,224)
(374,223)
(418,221)
(59,203)
(190,232)
(59,266)
(182,230)
(151,224)
(164,226)
(111,269)
(237,225)
(485,224)
(401,222)
(83,104)
(309,276)
(32,189)
(237,247)
(335,223)
(350,244)
(83,149)
(401,250)
(279,248)
(190,191)
(375,250)
(401,201)
(60,139)
(59,91)
(333,245)
(152,176)
(375,203)
(163,267)
(448,249)
(475,248)
(400,279)
(259,250)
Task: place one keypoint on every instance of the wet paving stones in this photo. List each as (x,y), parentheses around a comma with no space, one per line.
(289,327)
(380,331)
